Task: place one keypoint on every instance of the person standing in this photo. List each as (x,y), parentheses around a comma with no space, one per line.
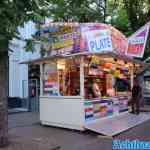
(136,97)
(96,89)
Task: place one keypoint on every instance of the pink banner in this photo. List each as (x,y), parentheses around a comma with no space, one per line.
(118,44)
(72,38)
(137,42)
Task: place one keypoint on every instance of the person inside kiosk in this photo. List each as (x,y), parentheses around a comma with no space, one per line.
(96,89)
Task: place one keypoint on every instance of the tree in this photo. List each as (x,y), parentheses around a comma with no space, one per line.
(129,15)
(138,12)
(118,16)
(106,11)
(12,13)
(72,11)
(79,10)
(126,15)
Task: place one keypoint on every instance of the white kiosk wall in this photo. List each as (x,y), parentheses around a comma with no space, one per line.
(63,111)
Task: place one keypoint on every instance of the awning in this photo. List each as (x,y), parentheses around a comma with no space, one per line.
(103,54)
(40,60)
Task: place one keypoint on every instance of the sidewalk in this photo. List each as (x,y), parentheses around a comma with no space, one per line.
(26,133)
(21,143)
(22,119)
(46,138)
(146,108)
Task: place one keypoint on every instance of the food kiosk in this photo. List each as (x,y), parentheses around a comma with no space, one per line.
(86,75)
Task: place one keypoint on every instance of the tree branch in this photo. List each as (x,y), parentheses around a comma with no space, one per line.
(112,13)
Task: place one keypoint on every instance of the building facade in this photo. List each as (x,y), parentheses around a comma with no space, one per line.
(18,73)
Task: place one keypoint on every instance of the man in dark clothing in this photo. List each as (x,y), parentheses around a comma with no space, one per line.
(136,97)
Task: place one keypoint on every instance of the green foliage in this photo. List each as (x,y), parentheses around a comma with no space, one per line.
(138,12)
(118,16)
(29,45)
(79,10)
(121,22)
(43,52)
(15,12)
(147,50)
(126,15)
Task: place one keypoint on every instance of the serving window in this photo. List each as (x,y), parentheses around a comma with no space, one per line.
(61,78)
(69,77)
(102,77)
(50,79)
(105,77)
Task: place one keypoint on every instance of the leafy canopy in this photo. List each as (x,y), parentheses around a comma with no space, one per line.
(15,12)
(126,15)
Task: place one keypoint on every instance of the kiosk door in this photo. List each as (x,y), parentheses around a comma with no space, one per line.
(33,95)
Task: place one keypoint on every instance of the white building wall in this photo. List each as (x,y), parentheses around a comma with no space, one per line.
(14,74)
(18,73)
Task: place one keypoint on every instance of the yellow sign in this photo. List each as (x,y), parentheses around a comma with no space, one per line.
(117,73)
(62,44)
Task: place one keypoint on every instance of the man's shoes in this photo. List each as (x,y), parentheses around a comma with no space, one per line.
(132,112)
(137,113)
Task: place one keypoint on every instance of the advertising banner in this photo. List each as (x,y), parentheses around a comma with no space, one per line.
(119,41)
(60,39)
(107,38)
(99,40)
(137,42)
(65,39)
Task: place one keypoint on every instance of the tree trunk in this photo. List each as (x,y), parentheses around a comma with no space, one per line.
(3,97)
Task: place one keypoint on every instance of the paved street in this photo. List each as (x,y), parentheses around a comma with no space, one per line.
(26,133)
(23,129)
(22,119)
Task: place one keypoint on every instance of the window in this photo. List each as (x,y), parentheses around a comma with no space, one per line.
(69,77)
(50,79)
(61,78)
